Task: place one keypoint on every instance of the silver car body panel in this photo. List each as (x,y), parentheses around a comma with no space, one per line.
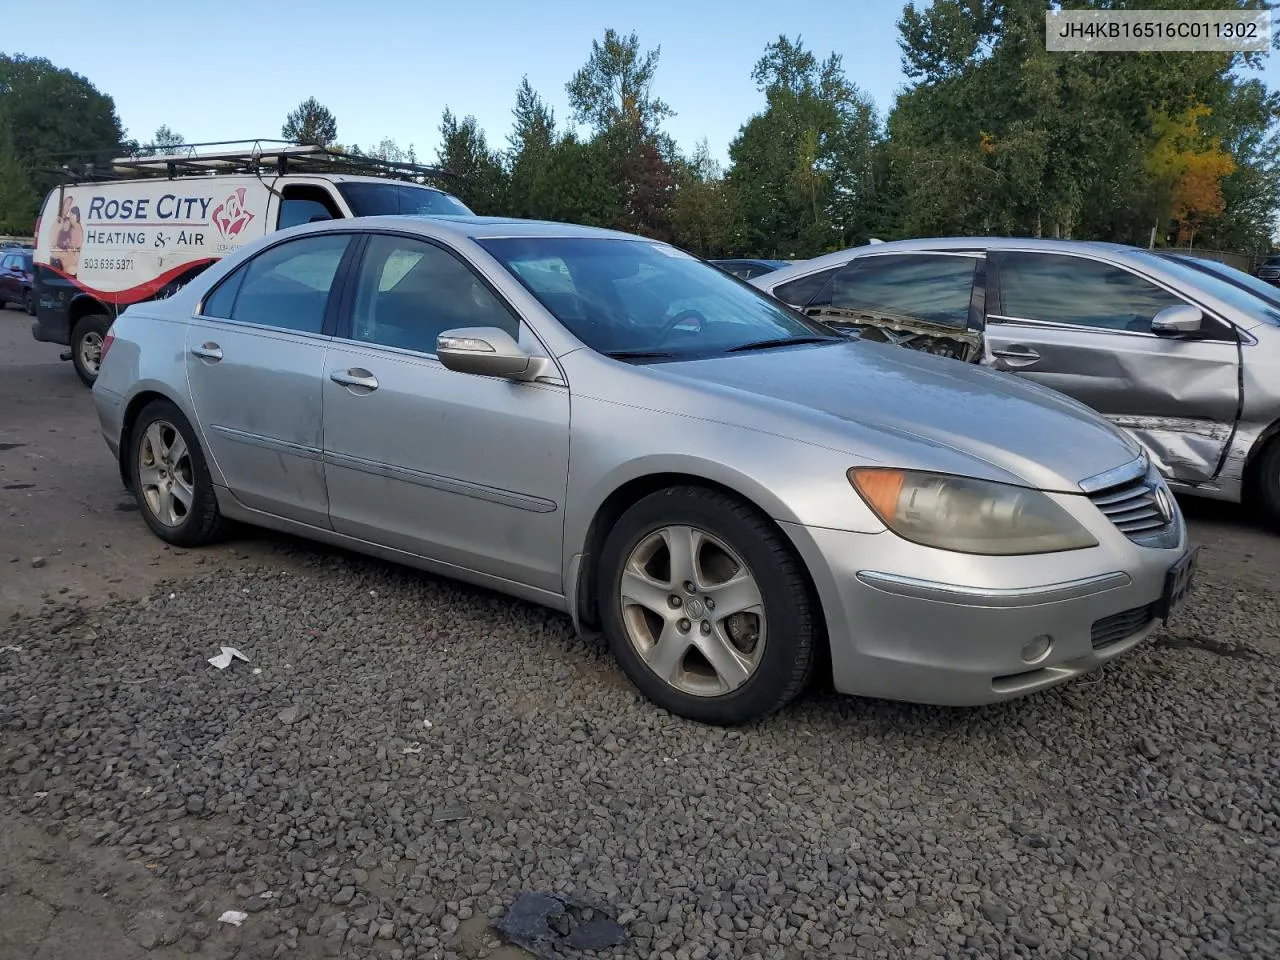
(1201,408)
(501,483)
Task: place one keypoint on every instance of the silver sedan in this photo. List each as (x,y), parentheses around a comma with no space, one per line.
(734,495)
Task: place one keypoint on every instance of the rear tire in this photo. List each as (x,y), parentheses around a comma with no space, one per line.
(28,303)
(86,345)
(170,478)
(672,624)
(1268,482)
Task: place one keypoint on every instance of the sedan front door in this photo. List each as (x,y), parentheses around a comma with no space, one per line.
(1083,327)
(255,363)
(466,470)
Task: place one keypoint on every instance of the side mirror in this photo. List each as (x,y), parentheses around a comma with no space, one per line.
(487,352)
(1182,318)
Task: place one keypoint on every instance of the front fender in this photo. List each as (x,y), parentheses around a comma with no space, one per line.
(791,481)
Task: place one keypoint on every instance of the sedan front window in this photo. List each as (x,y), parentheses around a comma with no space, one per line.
(647,300)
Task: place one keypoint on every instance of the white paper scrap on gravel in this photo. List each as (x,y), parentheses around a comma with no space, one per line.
(233,917)
(223,660)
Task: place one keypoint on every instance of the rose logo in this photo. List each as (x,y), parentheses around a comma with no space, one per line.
(230,216)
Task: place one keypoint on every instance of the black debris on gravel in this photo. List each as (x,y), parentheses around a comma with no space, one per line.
(551,924)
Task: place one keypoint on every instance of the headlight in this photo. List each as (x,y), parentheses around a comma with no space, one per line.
(966,515)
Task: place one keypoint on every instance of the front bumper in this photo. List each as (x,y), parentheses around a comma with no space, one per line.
(912,623)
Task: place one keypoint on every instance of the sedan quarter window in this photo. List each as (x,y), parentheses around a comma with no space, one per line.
(410,292)
(287,286)
(1056,288)
(802,290)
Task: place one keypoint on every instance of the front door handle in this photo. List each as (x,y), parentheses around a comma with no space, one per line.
(1016,356)
(208,351)
(355,377)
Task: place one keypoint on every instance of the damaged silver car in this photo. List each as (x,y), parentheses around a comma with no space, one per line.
(1185,360)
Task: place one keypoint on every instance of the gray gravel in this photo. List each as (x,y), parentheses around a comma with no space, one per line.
(413,754)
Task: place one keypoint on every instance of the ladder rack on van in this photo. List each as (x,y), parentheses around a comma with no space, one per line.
(266,157)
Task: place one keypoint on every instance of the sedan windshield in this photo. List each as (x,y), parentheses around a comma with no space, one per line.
(391,199)
(641,300)
(1229,291)
(1245,281)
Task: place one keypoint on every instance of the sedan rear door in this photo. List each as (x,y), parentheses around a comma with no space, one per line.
(928,300)
(255,363)
(1082,326)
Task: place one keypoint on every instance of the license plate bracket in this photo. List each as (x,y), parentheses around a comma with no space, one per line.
(1178,584)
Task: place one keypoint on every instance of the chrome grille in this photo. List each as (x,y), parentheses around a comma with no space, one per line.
(1120,626)
(1130,497)
(1131,507)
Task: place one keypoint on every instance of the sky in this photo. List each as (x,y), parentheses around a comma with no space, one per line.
(233,69)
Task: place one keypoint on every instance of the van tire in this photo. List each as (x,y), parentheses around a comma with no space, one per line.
(86,345)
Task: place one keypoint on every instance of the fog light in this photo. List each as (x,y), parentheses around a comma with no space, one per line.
(1037,649)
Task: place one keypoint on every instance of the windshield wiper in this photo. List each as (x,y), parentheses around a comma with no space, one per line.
(638,354)
(781,342)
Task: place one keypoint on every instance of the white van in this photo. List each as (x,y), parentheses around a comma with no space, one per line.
(101,246)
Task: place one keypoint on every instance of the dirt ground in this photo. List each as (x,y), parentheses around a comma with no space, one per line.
(70,534)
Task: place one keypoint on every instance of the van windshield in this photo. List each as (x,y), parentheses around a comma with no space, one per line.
(392,199)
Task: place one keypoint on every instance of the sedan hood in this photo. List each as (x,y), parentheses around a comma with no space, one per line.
(1025,431)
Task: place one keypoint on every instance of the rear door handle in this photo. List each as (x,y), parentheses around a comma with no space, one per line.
(208,351)
(1017,356)
(355,377)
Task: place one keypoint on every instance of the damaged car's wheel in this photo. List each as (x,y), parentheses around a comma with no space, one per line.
(706,607)
(1268,482)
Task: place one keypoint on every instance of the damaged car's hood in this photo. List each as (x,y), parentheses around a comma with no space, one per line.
(1034,434)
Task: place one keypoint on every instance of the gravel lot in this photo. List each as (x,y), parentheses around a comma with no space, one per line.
(401,755)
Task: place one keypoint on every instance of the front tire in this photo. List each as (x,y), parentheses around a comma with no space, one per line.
(170,478)
(706,607)
(1268,482)
(86,346)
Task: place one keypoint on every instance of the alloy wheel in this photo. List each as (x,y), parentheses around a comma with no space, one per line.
(693,611)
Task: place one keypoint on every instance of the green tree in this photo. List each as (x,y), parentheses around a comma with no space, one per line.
(311,123)
(18,201)
(164,140)
(530,147)
(476,175)
(702,218)
(615,86)
(390,151)
(1000,135)
(613,94)
(59,122)
(803,169)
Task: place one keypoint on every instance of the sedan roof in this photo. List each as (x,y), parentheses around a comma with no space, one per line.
(951,244)
(488,228)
